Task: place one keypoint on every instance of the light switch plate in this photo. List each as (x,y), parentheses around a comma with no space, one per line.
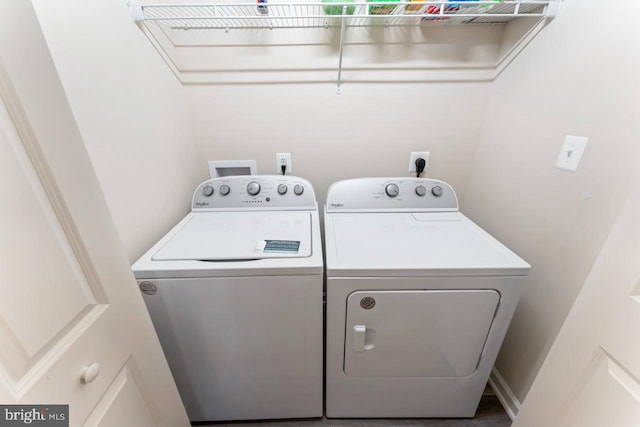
(571,152)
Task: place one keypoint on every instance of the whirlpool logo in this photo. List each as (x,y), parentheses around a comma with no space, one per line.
(36,415)
(337,205)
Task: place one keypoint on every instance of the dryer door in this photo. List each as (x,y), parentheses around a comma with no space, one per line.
(418,333)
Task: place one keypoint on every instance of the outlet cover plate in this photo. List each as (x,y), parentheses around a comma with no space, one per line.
(571,152)
(416,155)
(283,159)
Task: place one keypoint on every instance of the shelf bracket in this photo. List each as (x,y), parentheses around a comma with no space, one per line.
(552,9)
(342,29)
(137,13)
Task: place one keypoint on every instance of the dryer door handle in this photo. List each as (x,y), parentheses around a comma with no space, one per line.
(359,332)
(362,338)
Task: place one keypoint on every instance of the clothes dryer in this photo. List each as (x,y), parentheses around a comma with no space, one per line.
(235,294)
(419,299)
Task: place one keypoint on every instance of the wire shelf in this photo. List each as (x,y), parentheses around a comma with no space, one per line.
(352,14)
(163,24)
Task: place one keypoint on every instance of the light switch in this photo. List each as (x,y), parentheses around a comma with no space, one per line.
(571,152)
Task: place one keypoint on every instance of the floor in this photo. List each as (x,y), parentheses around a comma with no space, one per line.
(490,414)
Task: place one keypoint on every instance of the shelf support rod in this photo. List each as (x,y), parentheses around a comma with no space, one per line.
(342,29)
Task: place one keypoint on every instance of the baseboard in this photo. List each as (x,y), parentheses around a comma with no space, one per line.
(504,394)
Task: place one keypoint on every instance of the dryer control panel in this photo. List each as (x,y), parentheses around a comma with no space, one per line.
(255,192)
(391,195)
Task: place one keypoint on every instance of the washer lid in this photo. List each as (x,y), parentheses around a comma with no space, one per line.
(225,236)
(410,244)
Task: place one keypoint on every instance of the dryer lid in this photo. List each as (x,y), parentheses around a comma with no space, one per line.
(409,244)
(229,236)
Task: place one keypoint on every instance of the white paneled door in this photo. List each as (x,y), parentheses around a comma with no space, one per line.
(591,377)
(73,327)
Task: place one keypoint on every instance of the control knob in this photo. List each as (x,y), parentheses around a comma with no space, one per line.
(420,190)
(207,191)
(392,190)
(225,189)
(282,189)
(298,189)
(253,188)
(436,191)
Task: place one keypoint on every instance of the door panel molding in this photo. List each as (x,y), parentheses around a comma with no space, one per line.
(36,155)
(127,385)
(28,347)
(605,384)
(19,383)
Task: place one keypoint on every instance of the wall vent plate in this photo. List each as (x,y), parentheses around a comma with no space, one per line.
(219,168)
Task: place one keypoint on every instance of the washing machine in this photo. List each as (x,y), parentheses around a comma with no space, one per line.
(235,293)
(419,299)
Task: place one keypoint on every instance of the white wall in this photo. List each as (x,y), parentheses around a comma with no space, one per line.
(580,77)
(131,112)
(369,130)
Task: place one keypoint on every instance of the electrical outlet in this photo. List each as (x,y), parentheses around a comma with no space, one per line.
(416,155)
(283,159)
(571,152)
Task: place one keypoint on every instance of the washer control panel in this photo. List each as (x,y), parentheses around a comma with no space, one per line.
(254,192)
(391,194)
